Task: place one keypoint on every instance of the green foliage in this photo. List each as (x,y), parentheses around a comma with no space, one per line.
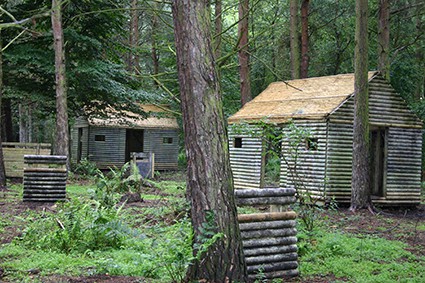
(85,169)
(77,227)
(370,259)
(207,236)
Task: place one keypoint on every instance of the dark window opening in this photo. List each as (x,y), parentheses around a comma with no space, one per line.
(167,140)
(99,138)
(237,143)
(311,144)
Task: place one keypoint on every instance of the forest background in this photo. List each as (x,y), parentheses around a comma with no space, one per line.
(122,51)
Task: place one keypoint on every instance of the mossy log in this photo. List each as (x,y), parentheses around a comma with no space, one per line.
(269,192)
(275,258)
(274,266)
(259,217)
(268,233)
(267,225)
(256,251)
(282,200)
(267,242)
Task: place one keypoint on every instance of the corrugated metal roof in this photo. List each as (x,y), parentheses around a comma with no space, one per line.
(136,121)
(311,98)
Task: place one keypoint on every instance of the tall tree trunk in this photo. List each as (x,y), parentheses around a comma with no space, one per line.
(243,53)
(218,28)
(360,191)
(62,136)
(7,126)
(133,60)
(209,179)
(154,50)
(23,130)
(294,42)
(2,168)
(384,39)
(304,39)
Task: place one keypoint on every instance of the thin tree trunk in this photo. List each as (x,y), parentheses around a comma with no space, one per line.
(2,168)
(209,179)
(154,50)
(294,42)
(304,39)
(23,131)
(243,53)
(62,136)
(360,192)
(218,28)
(384,39)
(133,60)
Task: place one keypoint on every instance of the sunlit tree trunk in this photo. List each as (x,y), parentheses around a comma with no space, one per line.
(61,146)
(209,179)
(133,56)
(294,42)
(243,52)
(384,39)
(304,39)
(361,191)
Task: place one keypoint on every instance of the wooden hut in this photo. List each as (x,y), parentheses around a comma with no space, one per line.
(325,106)
(109,141)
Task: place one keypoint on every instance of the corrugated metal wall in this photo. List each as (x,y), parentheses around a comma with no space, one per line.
(246,160)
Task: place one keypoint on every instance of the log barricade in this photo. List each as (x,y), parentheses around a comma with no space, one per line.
(44,178)
(269,239)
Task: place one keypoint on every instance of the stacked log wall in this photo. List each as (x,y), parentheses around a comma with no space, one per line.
(45,178)
(269,239)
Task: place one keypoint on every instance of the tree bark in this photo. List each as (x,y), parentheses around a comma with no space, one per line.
(7,127)
(133,57)
(209,179)
(2,168)
(218,28)
(154,50)
(294,42)
(384,39)
(62,136)
(304,39)
(243,53)
(360,192)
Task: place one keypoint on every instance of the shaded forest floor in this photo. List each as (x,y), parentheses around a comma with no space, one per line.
(406,225)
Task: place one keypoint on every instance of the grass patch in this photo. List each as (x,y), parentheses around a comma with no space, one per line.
(359,259)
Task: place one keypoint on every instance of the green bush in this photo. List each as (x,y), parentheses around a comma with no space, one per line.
(77,227)
(85,169)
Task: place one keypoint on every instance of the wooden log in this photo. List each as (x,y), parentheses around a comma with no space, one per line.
(267,225)
(259,217)
(63,186)
(268,233)
(255,260)
(270,250)
(44,199)
(267,192)
(267,242)
(274,274)
(42,191)
(275,266)
(282,200)
(46,170)
(52,158)
(46,182)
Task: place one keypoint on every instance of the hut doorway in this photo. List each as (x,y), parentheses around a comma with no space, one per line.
(378,161)
(134,142)
(79,145)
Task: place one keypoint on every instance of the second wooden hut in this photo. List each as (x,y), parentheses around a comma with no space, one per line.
(324,106)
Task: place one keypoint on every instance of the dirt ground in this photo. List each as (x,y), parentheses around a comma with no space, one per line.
(393,224)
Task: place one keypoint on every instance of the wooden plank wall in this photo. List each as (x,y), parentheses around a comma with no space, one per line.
(310,166)
(246,162)
(404,146)
(403,181)
(108,153)
(166,154)
(13,154)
